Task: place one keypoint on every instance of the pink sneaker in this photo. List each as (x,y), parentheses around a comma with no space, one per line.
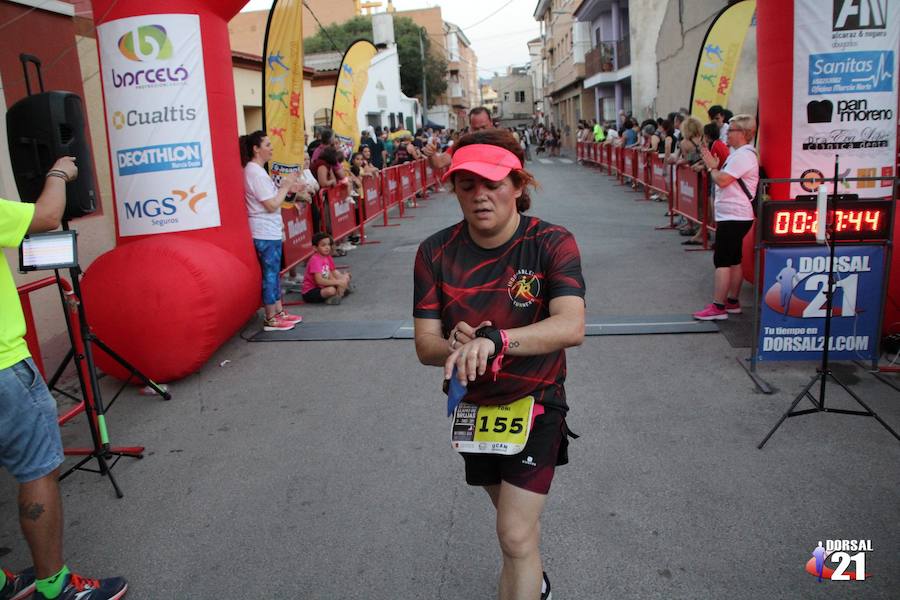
(711,313)
(733,308)
(276,323)
(286,316)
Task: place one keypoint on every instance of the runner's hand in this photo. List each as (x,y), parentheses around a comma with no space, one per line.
(463,333)
(470,360)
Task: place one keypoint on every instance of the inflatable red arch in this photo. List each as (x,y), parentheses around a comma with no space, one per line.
(166,302)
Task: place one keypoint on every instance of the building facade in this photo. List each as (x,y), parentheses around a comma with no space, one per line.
(463,93)
(515,97)
(565,44)
(608,62)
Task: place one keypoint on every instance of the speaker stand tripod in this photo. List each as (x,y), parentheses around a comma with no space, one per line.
(81,351)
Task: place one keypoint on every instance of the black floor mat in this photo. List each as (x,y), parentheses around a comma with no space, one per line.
(738,332)
(384,330)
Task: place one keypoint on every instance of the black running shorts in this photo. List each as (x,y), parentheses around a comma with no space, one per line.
(532,469)
(729,245)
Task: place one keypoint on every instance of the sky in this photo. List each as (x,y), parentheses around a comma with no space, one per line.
(499,39)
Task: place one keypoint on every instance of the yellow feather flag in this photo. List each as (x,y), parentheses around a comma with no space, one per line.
(283,87)
(719,58)
(353,78)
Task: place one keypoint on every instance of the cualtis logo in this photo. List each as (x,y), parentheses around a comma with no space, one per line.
(147,42)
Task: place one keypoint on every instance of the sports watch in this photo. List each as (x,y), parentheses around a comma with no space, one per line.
(493,334)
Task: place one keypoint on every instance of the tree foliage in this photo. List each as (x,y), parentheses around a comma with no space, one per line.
(339,36)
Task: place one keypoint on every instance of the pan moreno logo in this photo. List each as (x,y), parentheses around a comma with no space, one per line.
(145,43)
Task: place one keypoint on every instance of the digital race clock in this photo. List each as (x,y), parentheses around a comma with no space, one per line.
(854,220)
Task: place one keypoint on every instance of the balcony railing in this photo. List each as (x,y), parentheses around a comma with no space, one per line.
(607,57)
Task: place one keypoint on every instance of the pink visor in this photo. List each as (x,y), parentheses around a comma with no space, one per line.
(491,162)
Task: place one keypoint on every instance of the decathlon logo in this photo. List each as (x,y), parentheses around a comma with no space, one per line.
(147,42)
(166,157)
(860,14)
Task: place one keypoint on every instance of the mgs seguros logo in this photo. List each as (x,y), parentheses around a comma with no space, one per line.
(146,44)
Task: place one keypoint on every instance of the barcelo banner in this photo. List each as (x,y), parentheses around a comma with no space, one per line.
(845,93)
(159,144)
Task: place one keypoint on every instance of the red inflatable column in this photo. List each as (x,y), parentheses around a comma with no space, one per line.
(183,277)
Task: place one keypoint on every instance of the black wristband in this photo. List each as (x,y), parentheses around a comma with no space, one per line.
(493,334)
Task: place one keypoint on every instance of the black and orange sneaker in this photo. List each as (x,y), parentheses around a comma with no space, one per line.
(18,585)
(77,587)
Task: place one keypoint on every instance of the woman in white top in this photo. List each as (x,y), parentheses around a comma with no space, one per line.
(736,183)
(264,201)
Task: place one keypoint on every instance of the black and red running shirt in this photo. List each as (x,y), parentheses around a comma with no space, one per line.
(511,286)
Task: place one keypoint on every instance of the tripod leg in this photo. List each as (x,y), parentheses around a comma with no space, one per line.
(165,395)
(794,404)
(871,412)
(62,367)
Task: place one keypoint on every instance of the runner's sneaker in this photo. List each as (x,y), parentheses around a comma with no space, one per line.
(733,308)
(82,588)
(18,585)
(333,299)
(286,316)
(276,323)
(711,313)
(546,594)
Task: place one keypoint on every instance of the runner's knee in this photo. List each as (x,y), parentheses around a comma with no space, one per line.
(517,540)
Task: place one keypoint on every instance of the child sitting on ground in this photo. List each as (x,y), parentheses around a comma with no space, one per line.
(322,281)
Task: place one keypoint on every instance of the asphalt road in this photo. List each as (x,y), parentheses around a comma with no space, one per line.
(321,470)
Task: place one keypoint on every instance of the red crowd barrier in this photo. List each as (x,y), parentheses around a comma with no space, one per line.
(298,232)
(686,189)
(691,195)
(381,193)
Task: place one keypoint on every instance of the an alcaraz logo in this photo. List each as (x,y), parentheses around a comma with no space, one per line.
(160,77)
(147,42)
(166,157)
(860,14)
(851,72)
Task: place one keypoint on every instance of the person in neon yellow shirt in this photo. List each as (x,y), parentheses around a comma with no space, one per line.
(30,446)
(599,134)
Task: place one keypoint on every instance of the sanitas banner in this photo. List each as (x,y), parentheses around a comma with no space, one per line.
(845,92)
(353,78)
(283,83)
(792,318)
(719,58)
(159,142)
